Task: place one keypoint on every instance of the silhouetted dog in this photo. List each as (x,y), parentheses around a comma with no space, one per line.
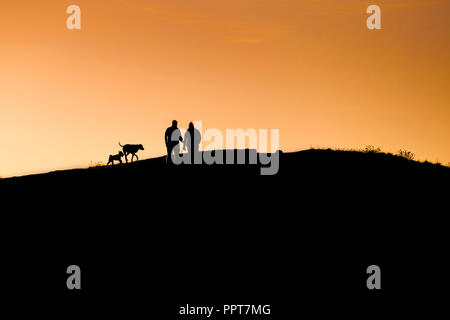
(116,157)
(131,149)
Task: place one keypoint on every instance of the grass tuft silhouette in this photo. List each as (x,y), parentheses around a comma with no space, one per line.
(96,164)
(407,155)
(371,149)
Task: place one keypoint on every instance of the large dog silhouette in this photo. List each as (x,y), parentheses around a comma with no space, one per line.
(131,149)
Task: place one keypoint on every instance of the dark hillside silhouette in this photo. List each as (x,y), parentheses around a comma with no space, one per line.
(314,226)
(309,164)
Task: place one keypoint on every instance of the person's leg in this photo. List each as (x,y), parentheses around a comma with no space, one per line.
(176,153)
(197,155)
(169,154)
(187,156)
(191,153)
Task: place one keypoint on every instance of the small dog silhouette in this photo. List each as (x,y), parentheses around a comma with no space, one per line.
(116,157)
(131,149)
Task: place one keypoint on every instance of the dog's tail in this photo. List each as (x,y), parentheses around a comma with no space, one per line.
(120,144)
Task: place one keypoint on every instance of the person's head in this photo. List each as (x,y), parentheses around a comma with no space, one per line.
(191,125)
(174,123)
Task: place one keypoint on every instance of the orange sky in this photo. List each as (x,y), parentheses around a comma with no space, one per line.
(308,67)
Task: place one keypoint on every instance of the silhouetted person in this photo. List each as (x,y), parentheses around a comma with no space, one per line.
(192,139)
(172,139)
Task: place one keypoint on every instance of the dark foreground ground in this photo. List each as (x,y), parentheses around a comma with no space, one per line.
(151,238)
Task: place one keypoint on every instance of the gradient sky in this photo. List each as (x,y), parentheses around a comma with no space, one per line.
(308,67)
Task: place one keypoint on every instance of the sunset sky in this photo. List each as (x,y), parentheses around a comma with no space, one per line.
(310,68)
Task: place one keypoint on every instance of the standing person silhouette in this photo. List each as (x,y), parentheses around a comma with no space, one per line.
(172,138)
(192,139)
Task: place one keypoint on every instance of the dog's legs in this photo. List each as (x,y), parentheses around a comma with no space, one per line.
(126,157)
